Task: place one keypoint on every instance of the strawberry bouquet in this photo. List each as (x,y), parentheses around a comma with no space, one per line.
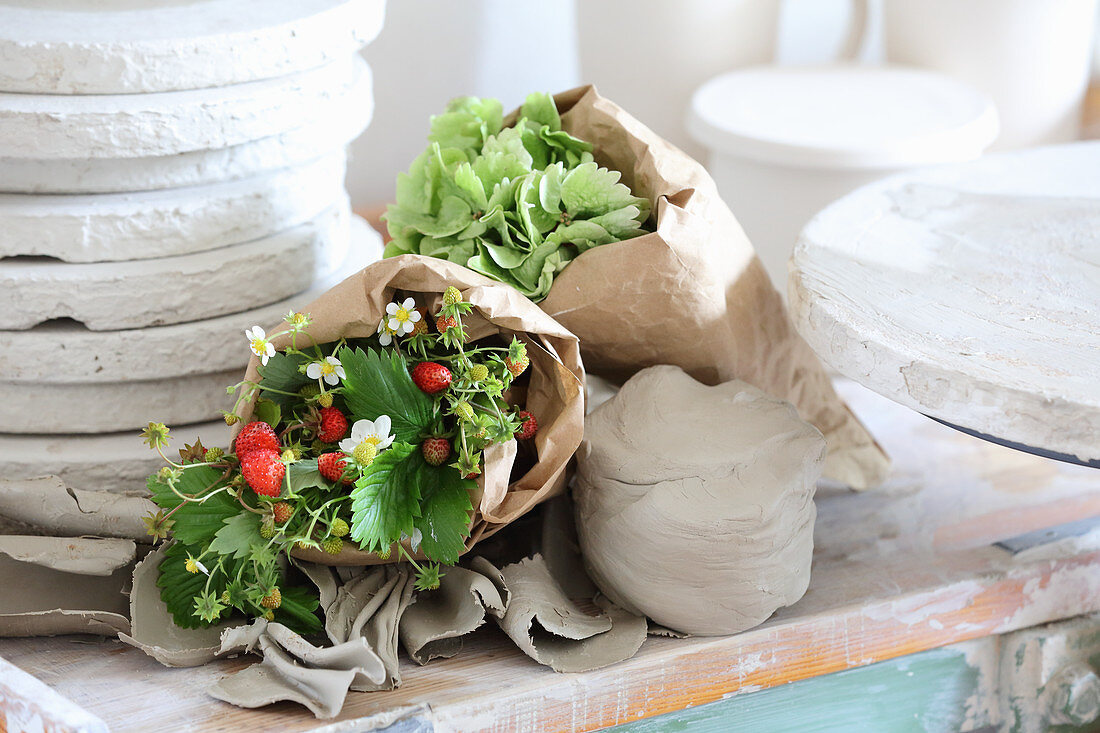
(407,413)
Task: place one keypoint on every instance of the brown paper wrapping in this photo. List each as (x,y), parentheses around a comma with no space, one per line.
(693,293)
(555,393)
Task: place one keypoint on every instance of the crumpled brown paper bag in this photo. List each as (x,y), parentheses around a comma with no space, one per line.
(693,293)
(555,393)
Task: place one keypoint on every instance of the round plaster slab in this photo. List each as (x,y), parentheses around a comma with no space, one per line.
(122,295)
(167,123)
(112,175)
(64,352)
(117,462)
(127,46)
(151,224)
(970,293)
(97,408)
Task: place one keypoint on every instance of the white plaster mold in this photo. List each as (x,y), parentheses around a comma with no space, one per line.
(126,46)
(115,296)
(151,224)
(970,293)
(167,123)
(64,352)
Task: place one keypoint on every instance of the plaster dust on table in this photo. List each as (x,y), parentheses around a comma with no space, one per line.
(695,503)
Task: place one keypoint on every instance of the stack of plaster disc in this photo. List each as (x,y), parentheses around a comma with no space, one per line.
(171,174)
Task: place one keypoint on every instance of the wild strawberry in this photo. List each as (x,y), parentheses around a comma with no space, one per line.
(464,410)
(529,425)
(436,450)
(332,465)
(421,326)
(332,545)
(474,473)
(255,436)
(519,366)
(477,372)
(338,528)
(282,512)
(333,425)
(452,296)
(263,471)
(273,599)
(431,377)
(444,322)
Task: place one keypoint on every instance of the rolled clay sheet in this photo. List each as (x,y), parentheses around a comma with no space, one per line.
(64,585)
(433,626)
(695,503)
(46,503)
(692,293)
(553,630)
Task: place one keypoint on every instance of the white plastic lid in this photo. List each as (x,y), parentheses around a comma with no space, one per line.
(843,116)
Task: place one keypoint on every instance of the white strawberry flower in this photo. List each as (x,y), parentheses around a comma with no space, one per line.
(257,341)
(385,335)
(328,369)
(375,432)
(402,317)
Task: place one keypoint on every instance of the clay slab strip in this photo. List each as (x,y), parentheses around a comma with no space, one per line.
(168,123)
(125,46)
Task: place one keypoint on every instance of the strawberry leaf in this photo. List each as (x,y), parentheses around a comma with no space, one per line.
(196,522)
(281,373)
(378,383)
(304,474)
(179,588)
(445,507)
(297,611)
(386,498)
(237,535)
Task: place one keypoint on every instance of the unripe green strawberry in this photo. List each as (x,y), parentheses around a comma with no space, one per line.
(463,409)
(213,454)
(332,545)
(325,400)
(452,296)
(478,372)
(338,528)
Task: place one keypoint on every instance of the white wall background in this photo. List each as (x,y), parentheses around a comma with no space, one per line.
(433,50)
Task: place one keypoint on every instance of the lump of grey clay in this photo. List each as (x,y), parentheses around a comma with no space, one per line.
(695,503)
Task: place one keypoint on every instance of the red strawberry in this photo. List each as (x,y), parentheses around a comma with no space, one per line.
(282,512)
(436,450)
(444,322)
(332,465)
(333,425)
(264,472)
(254,436)
(529,425)
(431,377)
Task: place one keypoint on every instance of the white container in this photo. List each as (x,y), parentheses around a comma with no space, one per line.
(786,141)
(1031,56)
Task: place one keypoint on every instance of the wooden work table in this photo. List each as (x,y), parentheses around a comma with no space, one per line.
(899,570)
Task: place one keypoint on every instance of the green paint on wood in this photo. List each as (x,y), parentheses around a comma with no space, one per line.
(921,692)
